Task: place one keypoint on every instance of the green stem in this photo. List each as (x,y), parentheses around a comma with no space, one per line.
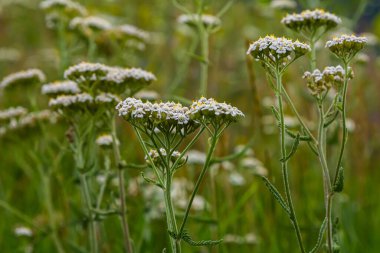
(293,217)
(62,47)
(123,205)
(210,152)
(88,203)
(313,55)
(91,49)
(205,61)
(326,175)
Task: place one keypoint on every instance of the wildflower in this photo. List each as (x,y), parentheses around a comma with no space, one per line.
(104,141)
(195,157)
(31,120)
(60,88)
(89,24)
(12,113)
(85,72)
(23,231)
(283,4)
(126,32)
(107,99)
(158,156)
(321,81)
(208,110)
(192,20)
(26,77)
(346,47)
(277,52)
(236,179)
(67,7)
(311,20)
(71,101)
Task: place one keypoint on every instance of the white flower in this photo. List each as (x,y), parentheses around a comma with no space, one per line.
(69,100)
(133,31)
(310,20)
(67,5)
(12,112)
(196,157)
(106,98)
(236,179)
(29,76)
(60,88)
(346,46)
(205,19)
(91,22)
(23,231)
(104,140)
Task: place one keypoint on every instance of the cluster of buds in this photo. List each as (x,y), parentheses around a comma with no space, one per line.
(167,117)
(321,81)
(194,20)
(346,47)
(158,157)
(60,88)
(209,111)
(276,52)
(26,77)
(309,21)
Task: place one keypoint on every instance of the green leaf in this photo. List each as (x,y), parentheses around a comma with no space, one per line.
(320,237)
(294,148)
(151,181)
(276,194)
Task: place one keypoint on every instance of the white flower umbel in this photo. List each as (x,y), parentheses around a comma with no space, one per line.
(92,23)
(66,6)
(346,47)
(156,156)
(31,119)
(86,72)
(107,99)
(23,231)
(26,77)
(309,21)
(126,31)
(277,53)
(209,110)
(147,95)
(206,20)
(60,88)
(12,112)
(283,4)
(104,140)
(66,101)
(9,54)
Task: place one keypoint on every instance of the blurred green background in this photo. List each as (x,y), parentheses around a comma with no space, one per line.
(240,209)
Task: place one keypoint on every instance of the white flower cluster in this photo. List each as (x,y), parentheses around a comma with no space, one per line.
(132,31)
(208,21)
(84,71)
(23,231)
(104,140)
(12,112)
(346,46)
(60,88)
(211,110)
(310,20)
(90,22)
(168,113)
(283,4)
(107,98)
(71,100)
(119,75)
(31,119)
(66,5)
(155,155)
(275,49)
(29,76)
(320,81)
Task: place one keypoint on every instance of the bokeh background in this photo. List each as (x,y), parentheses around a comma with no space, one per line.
(236,205)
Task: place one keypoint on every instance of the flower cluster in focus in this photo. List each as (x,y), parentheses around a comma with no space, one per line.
(346,47)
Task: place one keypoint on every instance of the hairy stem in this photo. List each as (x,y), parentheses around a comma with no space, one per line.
(285,175)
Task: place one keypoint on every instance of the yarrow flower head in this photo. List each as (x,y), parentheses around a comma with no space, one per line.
(210,111)
(60,88)
(321,81)
(120,79)
(165,116)
(283,4)
(309,21)
(277,52)
(32,119)
(104,141)
(192,20)
(76,101)
(67,7)
(90,24)
(26,77)
(127,32)
(346,47)
(86,72)
(12,113)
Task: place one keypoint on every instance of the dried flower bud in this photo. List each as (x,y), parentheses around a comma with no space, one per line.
(26,77)
(346,47)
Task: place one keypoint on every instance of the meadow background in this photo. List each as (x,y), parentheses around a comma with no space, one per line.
(240,209)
